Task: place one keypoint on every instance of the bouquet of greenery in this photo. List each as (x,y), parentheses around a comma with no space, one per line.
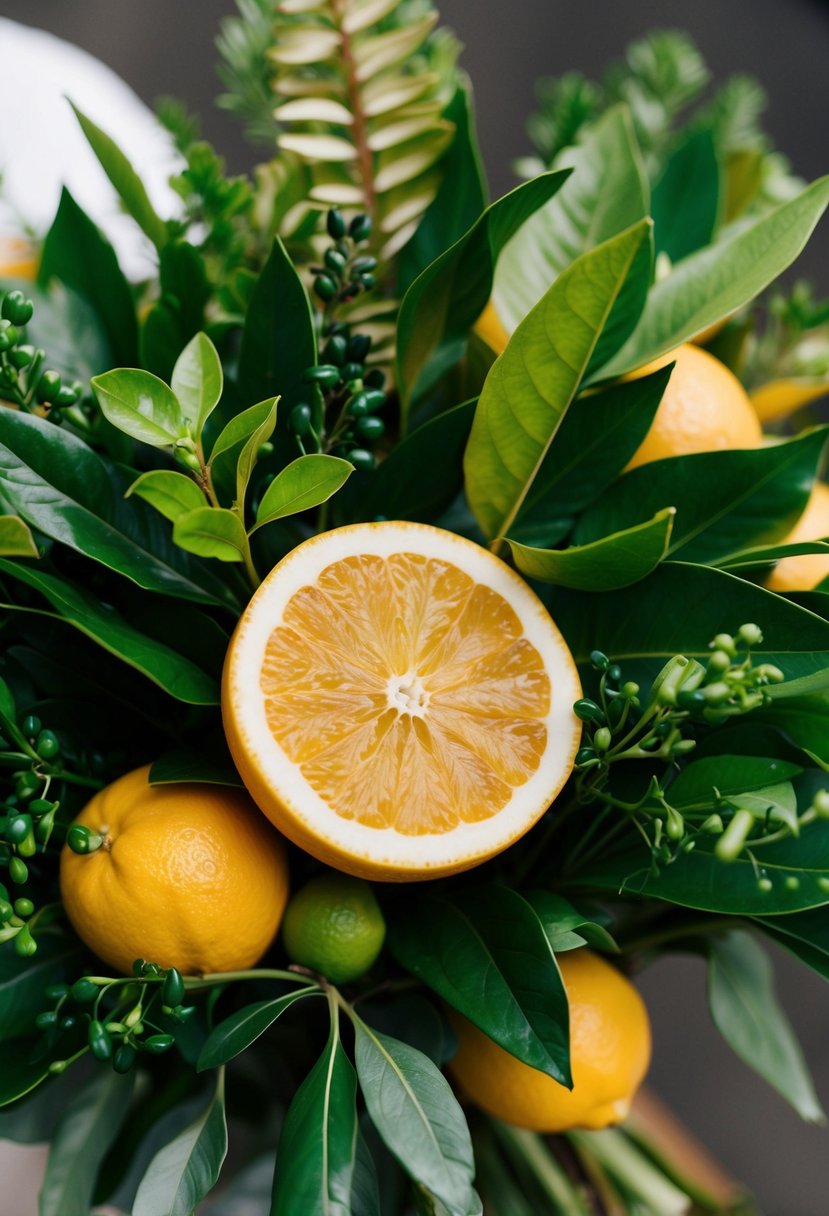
(409,634)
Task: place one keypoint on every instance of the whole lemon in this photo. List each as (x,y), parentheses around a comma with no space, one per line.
(334,926)
(188,876)
(610,1049)
(805,572)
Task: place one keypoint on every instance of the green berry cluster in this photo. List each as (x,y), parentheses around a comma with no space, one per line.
(24,378)
(345,272)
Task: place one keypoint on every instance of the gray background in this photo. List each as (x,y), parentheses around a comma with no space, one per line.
(165,46)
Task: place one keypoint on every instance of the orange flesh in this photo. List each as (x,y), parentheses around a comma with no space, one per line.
(406,693)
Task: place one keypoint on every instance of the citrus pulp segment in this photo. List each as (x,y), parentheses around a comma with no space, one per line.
(399,702)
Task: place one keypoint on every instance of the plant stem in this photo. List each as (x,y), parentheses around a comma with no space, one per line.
(529,1147)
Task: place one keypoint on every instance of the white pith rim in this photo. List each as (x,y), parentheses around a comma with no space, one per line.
(385,847)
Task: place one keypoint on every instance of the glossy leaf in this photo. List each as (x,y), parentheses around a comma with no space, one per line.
(16,539)
(317,1145)
(213,767)
(447,298)
(765,555)
(806,935)
(606,193)
(126,182)
(531,385)
(172,494)
(177,675)
(696,786)
(211,532)
(183,1172)
(236,1033)
(24,1068)
(486,953)
(240,428)
(719,279)
(140,405)
(418,1118)
(249,453)
(567,928)
(179,312)
(197,381)
(90,1123)
(76,253)
(745,1010)
(804,720)
(724,500)
(686,199)
(603,565)
(23,980)
(306,482)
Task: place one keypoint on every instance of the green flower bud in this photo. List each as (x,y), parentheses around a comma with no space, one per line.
(585,755)
(82,839)
(301,416)
(18,828)
(172,990)
(83,991)
(57,1067)
(334,350)
(674,824)
(45,1021)
(750,634)
(730,844)
(325,374)
(602,739)
(360,228)
(764,884)
(600,661)
(157,1044)
(719,661)
(31,727)
(361,458)
(16,308)
(23,907)
(820,804)
(100,1044)
(724,641)
(18,871)
(335,262)
(47,745)
(713,825)
(24,944)
(48,386)
(588,711)
(335,224)
(717,692)
(370,428)
(325,287)
(56,992)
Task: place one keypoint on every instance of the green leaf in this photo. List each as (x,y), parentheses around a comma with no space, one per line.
(805,686)
(128,185)
(530,387)
(686,199)
(774,802)
(606,193)
(597,437)
(16,538)
(76,253)
(236,1033)
(745,1010)
(186,764)
(8,708)
(804,720)
(317,1145)
(211,532)
(696,786)
(140,405)
(179,312)
(184,1171)
(240,428)
(486,953)
(418,1118)
(447,298)
(603,565)
(423,474)
(89,1126)
(197,381)
(719,279)
(172,494)
(23,980)
(765,555)
(724,500)
(304,483)
(25,1066)
(567,928)
(249,454)
(178,676)
(806,935)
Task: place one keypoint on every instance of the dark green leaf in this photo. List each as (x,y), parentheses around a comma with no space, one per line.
(178,676)
(486,953)
(606,193)
(140,405)
(16,539)
(197,381)
(23,981)
(418,1118)
(184,1171)
(214,767)
(34,1118)
(242,1028)
(745,1010)
(765,555)
(304,483)
(694,787)
(78,254)
(172,494)
(447,298)
(719,279)
(25,1066)
(365,1196)
(128,185)
(66,326)
(179,311)
(565,927)
(686,199)
(89,1125)
(603,565)
(804,720)
(777,802)
(806,935)
(531,385)
(724,500)
(317,1146)
(211,532)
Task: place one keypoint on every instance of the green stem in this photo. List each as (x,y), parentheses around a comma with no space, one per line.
(552,1179)
(250,568)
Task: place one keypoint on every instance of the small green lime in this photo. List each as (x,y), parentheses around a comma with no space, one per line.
(334,926)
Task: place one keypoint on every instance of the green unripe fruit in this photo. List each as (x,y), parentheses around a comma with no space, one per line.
(23,907)
(18,828)
(361,459)
(584,756)
(16,308)
(31,726)
(335,224)
(820,802)
(325,287)
(602,739)
(124,1058)
(750,634)
(325,374)
(100,1044)
(334,926)
(24,944)
(18,871)
(45,1021)
(370,428)
(157,1044)
(83,840)
(588,711)
(83,991)
(172,990)
(48,386)
(360,228)
(47,745)
(301,419)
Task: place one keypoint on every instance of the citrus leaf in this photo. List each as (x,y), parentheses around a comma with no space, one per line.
(719,279)
(765,555)
(178,314)
(240,428)
(16,539)
(806,935)
(448,296)
(697,785)
(805,686)
(211,532)
(90,1124)
(186,764)
(531,385)
(236,1033)
(486,953)
(565,927)
(746,1012)
(606,193)
(304,483)
(417,1116)
(23,980)
(317,1146)
(249,454)
(176,674)
(603,565)
(197,381)
(172,494)
(804,720)
(24,1068)
(128,185)
(140,405)
(184,1171)
(686,198)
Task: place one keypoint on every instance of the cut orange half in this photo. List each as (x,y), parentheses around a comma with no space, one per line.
(399,702)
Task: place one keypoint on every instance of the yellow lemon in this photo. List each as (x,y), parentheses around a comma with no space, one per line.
(18,260)
(399,702)
(805,572)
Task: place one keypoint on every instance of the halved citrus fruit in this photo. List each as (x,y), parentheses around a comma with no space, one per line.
(399,702)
